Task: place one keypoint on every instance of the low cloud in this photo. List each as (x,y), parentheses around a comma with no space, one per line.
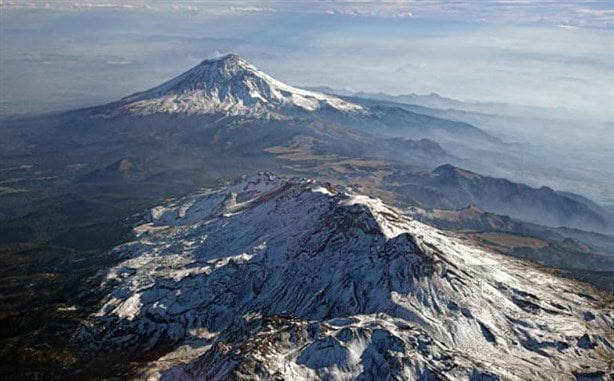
(251,9)
(119,62)
(597,12)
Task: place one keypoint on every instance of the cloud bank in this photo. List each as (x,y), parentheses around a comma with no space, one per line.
(585,13)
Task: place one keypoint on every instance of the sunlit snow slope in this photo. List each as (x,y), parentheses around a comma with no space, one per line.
(232,86)
(275,278)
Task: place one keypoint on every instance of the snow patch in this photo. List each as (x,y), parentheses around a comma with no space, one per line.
(300,283)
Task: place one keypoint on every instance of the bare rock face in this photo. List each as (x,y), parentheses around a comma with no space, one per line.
(277,278)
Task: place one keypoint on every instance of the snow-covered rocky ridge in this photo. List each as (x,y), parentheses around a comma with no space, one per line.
(232,86)
(276,278)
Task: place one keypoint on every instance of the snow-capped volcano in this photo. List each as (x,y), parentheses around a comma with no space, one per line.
(229,85)
(276,278)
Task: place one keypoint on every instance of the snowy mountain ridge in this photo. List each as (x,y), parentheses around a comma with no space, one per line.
(232,86)
(286,278)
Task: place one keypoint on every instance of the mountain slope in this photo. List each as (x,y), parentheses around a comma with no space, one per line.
(229,85)
(450,187)
(284,278)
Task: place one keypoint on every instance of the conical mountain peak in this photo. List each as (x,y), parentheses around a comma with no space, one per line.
(228,61)
(230,85)
(228,58)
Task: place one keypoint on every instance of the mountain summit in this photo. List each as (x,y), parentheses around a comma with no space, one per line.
(229,85)
(277,278)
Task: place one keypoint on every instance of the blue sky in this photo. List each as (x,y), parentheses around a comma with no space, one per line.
(63,54)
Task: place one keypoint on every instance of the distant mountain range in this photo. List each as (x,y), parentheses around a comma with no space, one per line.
(436,101)
(450,187)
